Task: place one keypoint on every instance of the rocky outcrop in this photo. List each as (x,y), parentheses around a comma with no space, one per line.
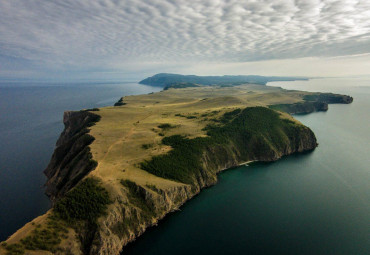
(314,102)
(329,98)
(127,219)
(218,158)
(301,107)
(71,159)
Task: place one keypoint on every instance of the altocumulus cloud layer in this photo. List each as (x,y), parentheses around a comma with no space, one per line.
(113,35)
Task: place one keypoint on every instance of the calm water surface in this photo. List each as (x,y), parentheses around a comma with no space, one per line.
(30,123)
(315,203)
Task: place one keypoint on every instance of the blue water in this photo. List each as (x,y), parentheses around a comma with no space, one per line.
(30,123)
(314,203)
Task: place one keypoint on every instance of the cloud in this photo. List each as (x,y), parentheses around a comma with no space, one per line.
(112,34)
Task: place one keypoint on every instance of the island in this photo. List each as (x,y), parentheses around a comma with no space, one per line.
(165,79)
(119,170)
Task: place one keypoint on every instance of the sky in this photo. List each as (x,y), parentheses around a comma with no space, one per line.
(127,40)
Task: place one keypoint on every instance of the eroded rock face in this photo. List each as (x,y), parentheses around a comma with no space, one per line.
(316,102)
(125,221)
(71,159)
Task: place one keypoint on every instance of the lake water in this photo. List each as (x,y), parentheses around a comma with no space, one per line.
(315,203)
(30,123)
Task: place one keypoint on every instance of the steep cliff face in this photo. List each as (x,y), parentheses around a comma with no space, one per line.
(293,138)
(135,209)
(329,98)
(315,102)
(71,160)
(302,107)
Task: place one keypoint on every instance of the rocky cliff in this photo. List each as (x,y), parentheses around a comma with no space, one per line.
(315,102)
(71,159)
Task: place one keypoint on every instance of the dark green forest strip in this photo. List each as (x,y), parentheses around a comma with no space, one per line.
(256,132)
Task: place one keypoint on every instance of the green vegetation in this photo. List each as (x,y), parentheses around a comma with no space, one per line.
(147,146)
(119,102)
(256,132)
(209,114)
(186,116)
(191,117)
(166,126)
(228,116)
(180,85)
(93,118)
(180,163)
(87,201)
(301,107)
(14,249)
(162,79)
(329,98)
(46,238)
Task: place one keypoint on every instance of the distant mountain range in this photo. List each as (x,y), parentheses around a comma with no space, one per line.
(165,79)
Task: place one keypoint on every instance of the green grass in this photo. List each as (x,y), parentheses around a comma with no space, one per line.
(87,201)
(256,132)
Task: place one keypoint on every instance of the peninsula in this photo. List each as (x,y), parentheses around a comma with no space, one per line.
(118,170)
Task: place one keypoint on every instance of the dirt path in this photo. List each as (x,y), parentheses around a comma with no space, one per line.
(122,139)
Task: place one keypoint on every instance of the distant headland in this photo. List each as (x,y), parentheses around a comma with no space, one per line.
(165,79)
